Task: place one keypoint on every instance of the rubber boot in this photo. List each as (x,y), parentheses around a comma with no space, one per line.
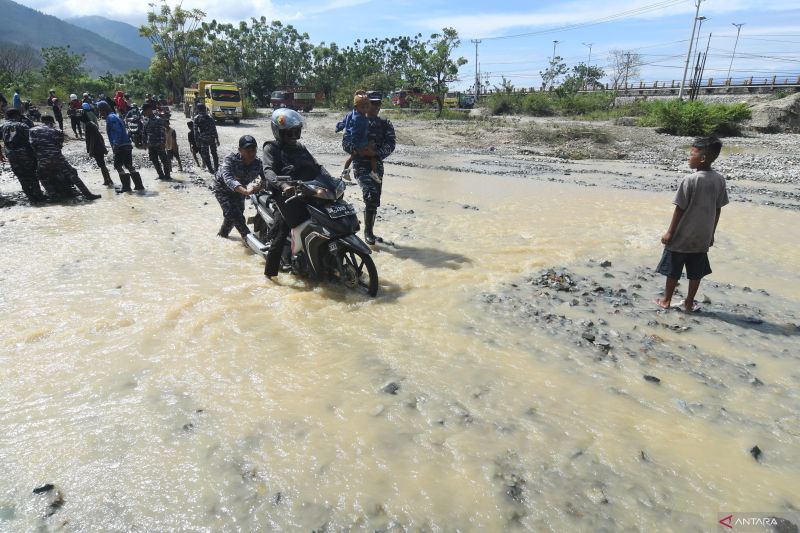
(137,181)
(106,178)
(85,190)
(225,229)
(125,179)
(369,223)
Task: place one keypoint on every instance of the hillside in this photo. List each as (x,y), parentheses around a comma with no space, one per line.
(115,31)
(23,25)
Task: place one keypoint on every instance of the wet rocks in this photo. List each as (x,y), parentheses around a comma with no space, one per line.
(53,498)
(651,379)
(390,388)
(755,451)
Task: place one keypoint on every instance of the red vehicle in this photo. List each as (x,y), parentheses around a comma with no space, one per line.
(297,98)
(405,97)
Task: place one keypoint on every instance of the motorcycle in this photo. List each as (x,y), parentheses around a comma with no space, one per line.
(325,247)
(133,122)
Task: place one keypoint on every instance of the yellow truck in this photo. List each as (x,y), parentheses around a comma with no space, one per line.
(223,100)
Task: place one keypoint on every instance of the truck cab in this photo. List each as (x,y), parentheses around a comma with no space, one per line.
(222,98)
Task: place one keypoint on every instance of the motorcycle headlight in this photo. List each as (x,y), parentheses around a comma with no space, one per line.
(339,189)
(320,192)
(216,108)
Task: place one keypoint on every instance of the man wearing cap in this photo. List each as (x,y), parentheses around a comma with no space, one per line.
(238,170)
(156,137)
(205,134)
(382,136)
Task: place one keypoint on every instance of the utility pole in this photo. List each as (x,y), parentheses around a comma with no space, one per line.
(738,30)
(554,49)
(627,66)
(689,53)
(699,31)
(589,63)
(477,76)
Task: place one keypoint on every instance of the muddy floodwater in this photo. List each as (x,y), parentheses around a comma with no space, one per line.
(512,374)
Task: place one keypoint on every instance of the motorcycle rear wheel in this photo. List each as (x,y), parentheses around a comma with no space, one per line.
(360,273)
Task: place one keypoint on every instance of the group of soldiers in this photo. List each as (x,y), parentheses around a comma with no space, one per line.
(34,153)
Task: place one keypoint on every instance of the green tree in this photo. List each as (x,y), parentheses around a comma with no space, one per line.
(582,76)
(438,66)
(555,69)
(62,68)
(177,39)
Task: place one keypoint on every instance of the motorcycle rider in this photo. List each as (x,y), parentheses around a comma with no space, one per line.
(238,170)
(381,135)
(18,150)
(122,147)
(73,111)
(156,139)
(286,156)
(53,167)
(205,134)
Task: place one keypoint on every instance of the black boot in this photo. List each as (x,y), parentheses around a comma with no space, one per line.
(85,190)
(369,223)
(225,229)
(137,181)
(106,178)
(125,179)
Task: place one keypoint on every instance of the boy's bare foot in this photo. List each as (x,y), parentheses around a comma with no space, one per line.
(663,304)
(690,307)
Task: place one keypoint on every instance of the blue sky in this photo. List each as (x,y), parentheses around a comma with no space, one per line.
(659,31)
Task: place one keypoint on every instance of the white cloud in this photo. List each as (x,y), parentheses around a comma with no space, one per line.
(582,11)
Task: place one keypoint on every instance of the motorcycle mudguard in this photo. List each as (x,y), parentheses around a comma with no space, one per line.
(354,243)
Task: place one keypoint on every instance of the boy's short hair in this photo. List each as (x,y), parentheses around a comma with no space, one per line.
(146,106)
(190,123)
(47,119)
(359,98)
(13,114)
(708,146)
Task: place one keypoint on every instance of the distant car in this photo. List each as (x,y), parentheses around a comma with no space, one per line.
(299,99)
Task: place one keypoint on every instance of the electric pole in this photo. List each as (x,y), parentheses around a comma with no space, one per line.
(627,66)
(699,31)
(477,76)
(738,29)
(689,53)
(554,49)
(589,63)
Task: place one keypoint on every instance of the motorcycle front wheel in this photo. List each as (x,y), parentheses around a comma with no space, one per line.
(359,271)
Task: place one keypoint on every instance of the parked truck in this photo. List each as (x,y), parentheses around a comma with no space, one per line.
(412,97)
(297,98)
(457,99)
(223,99)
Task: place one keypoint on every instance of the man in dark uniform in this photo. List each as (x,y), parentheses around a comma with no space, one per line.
(281,157)
(238,170)
(381,134)
(156,138)
(52,166)
(18,150)
(206,137)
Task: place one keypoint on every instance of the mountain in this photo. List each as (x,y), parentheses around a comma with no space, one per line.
(119,32)
(25,26)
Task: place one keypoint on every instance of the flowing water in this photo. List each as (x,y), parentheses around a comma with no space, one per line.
(151,373)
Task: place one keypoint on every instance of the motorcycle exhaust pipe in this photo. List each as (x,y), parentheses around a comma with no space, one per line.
(257,246)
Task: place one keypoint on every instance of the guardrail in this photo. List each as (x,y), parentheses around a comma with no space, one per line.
(709,86)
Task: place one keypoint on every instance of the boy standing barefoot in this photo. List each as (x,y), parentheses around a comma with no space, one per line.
(698,204)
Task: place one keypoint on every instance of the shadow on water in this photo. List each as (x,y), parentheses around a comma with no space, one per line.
(752,322)
(428,257)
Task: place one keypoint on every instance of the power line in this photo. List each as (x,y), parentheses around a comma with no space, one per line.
(610,18)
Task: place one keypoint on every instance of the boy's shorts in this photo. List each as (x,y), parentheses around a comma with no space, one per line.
(672,263)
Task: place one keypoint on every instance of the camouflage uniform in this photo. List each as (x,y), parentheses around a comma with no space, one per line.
(230,175)
(381,133)
(53,168)
(156,146)
(20,155)
(205,134)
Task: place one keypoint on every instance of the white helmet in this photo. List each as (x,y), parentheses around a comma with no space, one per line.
(73,97)
(285,119)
